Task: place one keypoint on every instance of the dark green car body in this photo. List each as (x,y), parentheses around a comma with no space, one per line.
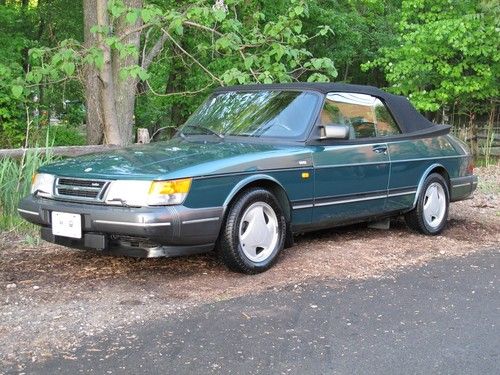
(319,182)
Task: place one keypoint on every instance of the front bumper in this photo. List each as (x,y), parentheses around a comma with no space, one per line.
(144,232)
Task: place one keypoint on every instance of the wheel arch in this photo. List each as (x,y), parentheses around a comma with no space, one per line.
(434,168)
(263,181)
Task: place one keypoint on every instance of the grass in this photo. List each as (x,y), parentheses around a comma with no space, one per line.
(15,183)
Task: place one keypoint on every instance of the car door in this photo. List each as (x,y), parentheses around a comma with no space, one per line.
(351,176)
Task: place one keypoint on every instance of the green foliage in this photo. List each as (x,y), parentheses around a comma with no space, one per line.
(66,136)
(259,49)
(441,53)
(12,44)
(27,38)
(353,33)
(74,114)
(11,112)
(447,53)
(222,46)
(251,42)
(57,135)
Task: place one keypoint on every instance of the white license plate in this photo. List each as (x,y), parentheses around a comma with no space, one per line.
(66,224)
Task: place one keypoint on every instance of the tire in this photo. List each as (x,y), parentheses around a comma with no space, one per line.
(431,211)
(254,232)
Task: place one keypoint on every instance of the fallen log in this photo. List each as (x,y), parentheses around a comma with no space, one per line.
(17,153)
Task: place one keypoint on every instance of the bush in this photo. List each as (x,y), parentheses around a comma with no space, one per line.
(57,135)
(65,136)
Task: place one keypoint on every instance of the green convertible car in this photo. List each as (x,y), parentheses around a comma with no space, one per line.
(253,166)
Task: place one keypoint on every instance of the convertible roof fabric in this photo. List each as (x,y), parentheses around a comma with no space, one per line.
(407,117)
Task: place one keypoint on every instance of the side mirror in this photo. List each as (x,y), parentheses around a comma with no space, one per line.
(334,131)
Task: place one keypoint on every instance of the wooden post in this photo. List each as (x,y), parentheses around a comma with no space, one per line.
(143,135)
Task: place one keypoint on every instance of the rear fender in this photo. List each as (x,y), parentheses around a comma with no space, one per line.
(420,186)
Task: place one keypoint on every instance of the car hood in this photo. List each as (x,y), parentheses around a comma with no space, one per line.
(181,158)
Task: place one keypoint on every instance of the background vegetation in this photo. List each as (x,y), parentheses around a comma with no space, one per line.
(443,54)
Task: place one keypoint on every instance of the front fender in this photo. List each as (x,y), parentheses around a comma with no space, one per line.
(247,181)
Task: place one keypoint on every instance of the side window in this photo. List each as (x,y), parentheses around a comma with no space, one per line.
(365,115)
(384,121)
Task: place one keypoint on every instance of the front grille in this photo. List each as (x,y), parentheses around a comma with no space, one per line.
(81,183)
(78,193)
(81,189)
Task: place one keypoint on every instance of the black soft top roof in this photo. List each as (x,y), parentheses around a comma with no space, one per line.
(407,117)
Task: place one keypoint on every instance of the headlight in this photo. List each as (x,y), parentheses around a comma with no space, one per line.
(131,193)
(148,193)
(42,185)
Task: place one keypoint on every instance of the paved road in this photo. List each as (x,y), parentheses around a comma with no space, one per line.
(441,318)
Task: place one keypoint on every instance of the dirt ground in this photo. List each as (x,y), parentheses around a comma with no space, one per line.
(52,297)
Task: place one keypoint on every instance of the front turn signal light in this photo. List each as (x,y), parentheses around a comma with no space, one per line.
(169,192)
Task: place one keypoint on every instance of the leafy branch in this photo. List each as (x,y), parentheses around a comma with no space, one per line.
(262,51)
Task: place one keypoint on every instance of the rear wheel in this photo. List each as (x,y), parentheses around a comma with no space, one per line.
(431,212)
(254,232)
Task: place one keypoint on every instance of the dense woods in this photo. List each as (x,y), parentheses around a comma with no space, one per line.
(91,71)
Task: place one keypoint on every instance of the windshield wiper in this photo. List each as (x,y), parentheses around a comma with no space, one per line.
(196,126)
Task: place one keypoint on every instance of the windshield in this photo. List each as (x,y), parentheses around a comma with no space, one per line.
(283,114)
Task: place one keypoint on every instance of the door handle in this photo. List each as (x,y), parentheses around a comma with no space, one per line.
(380,149)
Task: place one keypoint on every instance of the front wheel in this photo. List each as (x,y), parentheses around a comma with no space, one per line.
(254,232)
(431,212)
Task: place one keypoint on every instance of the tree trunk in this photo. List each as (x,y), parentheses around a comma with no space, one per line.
(109,99)
(92,87)
(125,89)
(107,92)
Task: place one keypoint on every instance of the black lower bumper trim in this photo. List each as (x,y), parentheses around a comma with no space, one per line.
(108,245)
(158,251)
